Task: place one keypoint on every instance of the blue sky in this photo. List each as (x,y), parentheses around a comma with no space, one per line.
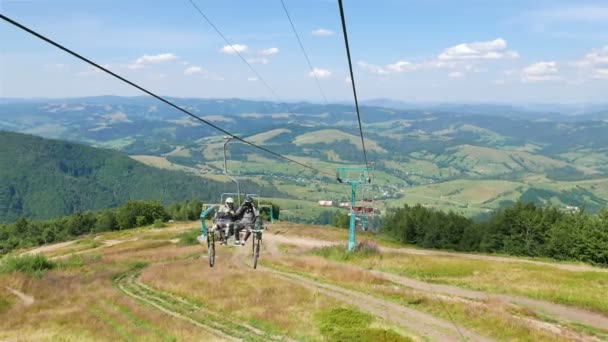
(515,51)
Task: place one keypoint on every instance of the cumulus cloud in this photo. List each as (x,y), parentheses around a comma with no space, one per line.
(493,49)
(323,32)
(151,59)
(601,74)
(269,51)
(234,49)
(372,68)
(539,72)
(456,74)
(394,68)
(596,58)
(401,66)
(193,70)
(319,73)
(595,63)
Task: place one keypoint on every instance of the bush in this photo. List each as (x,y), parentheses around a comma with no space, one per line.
(189,238)
(34,265)
(140,213)
(158,223)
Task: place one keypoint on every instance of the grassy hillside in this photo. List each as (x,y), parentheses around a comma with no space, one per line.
(44,178)
(152,284)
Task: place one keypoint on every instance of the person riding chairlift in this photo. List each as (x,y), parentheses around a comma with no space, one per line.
(224,218)
(246,216)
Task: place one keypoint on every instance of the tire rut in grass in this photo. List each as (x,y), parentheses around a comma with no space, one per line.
(181,308)
(421,323)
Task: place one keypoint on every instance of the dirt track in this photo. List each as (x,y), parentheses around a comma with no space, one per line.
(561,312)
(25,299)
(421,323)
(308,242)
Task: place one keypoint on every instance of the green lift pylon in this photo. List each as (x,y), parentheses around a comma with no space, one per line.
(353,176)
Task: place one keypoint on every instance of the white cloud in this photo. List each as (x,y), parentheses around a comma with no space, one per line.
(401,66)
(151,59)
(372,68)
(394,68)
(269,51)
(323,32)
(595,63)
(252,79)
(193,70)
(595,58)
(347,80)
(319,73)
(234,48)
(539,72)
(260,60)
(601,74)
(456,74)
(163,57)
(493,49)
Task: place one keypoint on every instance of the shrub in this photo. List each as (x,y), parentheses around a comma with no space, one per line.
(189,238)
(34,265)
(159,223)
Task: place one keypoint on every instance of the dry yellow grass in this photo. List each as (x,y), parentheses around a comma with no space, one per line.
(242,293)
(76,305)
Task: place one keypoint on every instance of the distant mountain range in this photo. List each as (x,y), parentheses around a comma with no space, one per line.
(549,157)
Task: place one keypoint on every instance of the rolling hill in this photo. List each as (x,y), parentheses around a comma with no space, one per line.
(545,152)
(44,178)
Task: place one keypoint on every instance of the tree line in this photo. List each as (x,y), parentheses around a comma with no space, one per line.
(26,233)
(523,229)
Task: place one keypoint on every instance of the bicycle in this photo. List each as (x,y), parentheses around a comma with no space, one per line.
(255,245)
(211,245)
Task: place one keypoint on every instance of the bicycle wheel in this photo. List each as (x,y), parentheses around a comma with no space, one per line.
(252,244)
(211,248)
(256,253)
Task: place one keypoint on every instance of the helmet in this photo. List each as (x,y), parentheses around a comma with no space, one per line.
(248,199)
(229,200)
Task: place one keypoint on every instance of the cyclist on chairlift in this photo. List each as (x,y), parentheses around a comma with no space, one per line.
(246,216)
(224,218)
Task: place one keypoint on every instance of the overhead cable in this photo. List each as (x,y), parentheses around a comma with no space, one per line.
(236,52)
(96,65)
(312,70)
(352,80)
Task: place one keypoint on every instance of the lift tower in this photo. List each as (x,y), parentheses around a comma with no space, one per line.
(353,176)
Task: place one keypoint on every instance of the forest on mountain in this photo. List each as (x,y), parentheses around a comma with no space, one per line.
(43,178)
